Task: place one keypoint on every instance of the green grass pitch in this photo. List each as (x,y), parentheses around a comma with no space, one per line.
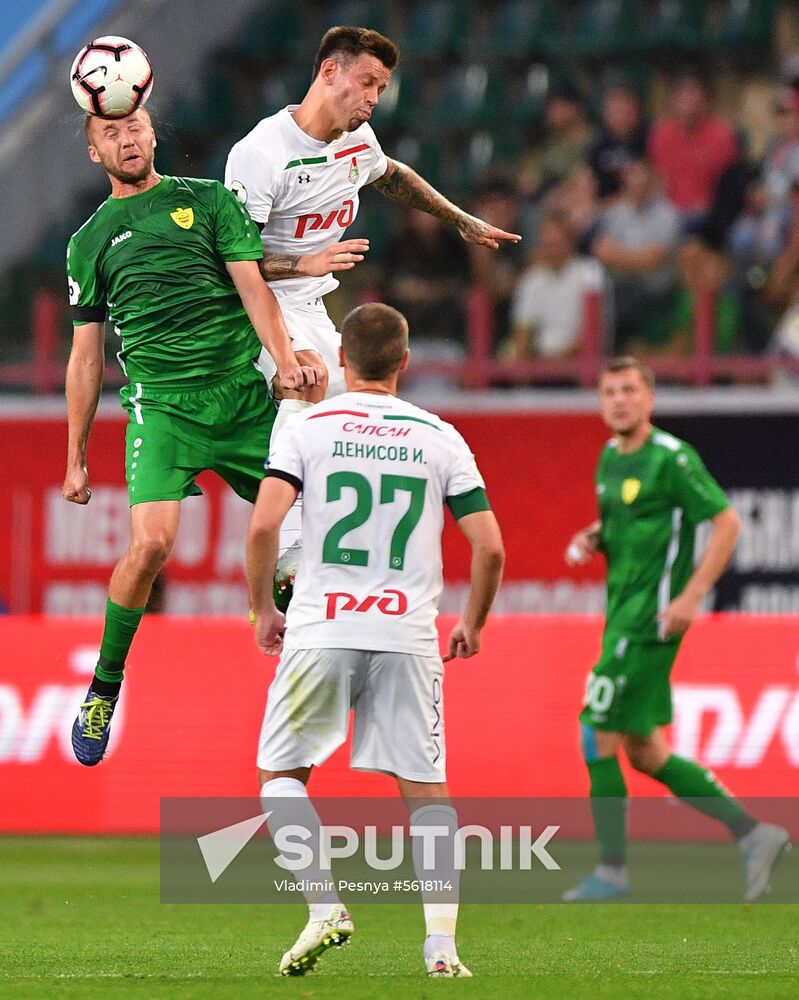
(81,918)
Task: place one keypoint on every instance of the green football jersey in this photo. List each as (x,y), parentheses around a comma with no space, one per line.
(650,503)
(154,265)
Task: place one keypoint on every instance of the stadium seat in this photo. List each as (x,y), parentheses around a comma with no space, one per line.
(434,29)
(423,154)
(400,100)
(676,24)
(521,28)
(746,23)
(468,96)
(363,13)
(273,32)
(523,95)
(604,27)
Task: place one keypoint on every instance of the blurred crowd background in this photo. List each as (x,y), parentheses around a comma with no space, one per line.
(647,150)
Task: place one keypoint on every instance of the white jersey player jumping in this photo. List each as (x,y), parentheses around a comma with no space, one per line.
(300,171)
(360,631)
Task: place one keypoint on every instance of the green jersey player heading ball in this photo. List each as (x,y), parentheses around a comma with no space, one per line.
(653,490)
(172,264)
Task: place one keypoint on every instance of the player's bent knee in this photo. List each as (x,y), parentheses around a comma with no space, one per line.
(151,552)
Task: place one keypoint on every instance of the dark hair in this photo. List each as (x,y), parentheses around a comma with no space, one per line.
(626,362)
(374,338)
(348,43)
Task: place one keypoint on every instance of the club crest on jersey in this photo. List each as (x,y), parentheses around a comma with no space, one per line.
(630,489)
(183,217)
(354,173)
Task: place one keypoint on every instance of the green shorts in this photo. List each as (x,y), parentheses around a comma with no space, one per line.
(629,690)
(222,422)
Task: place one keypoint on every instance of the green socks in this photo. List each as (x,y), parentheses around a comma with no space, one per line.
(120,628)
(704,792)
(609,806)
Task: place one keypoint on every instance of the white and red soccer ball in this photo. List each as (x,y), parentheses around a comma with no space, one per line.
(111,77)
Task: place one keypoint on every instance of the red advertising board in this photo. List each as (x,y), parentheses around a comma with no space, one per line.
(189,719)
(56,558)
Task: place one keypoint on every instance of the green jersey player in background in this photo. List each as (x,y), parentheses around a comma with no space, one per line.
(360,631)
(300,173)
(652,490)
(171,264)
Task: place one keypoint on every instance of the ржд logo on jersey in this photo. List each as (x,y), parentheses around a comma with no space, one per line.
(392,602)
(341,217)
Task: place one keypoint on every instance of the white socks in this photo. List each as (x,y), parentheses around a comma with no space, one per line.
(291,528)
(615,874)
(288,800)
(440,906)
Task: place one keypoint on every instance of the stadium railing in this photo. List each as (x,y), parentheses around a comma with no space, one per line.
(44,372)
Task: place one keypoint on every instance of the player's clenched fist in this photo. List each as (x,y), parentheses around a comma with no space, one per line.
(76,485)
(464,641)
(340,257)
(300,376)
(269,629)
(583,546)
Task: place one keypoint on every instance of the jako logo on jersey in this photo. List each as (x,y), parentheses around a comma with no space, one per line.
(121,238)
(183,217)
(341,217)
(392,602)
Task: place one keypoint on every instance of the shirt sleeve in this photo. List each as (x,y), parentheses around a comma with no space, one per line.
(237,236)
(251,176)
(87,295)
(465,489)
(698,493)
(380,165)
(285,461)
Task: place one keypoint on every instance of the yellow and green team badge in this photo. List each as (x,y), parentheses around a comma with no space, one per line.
(183,217)
(630,489)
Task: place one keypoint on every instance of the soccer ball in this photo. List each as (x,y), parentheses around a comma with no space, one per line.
(111,77)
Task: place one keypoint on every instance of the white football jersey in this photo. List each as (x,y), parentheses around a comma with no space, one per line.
(304,192)
(375,472)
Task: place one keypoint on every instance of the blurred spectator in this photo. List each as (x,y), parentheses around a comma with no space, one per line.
(547,311)
(761,241)
(690,148)
(704,271)
(576,199)
(497,202)
(638,236)
(427,276)
(565,145)
(623,137)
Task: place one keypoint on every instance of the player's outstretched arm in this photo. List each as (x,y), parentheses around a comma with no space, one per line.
(488,557)
(83,386)
(401,183)
(584,545)
(275,496)
(267,319)
(679,615)
(340,257)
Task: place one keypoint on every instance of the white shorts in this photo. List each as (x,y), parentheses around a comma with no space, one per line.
(398,703)
(310,329)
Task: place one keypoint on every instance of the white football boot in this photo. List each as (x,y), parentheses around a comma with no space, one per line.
(333,930)
(762,848)
(440,965)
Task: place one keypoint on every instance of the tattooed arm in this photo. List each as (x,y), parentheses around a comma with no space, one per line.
(340,257)
(400,183)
